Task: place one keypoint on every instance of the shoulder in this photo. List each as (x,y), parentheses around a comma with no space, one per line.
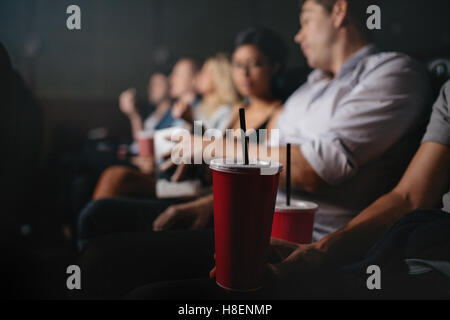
(390,63)
(278,105)
(445,91)
(278,108)
(442,104)
(296,96)
(224,109)
(235,108)
(392,72)
(234,112)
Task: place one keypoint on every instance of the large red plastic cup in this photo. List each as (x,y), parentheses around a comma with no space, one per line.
(146,144)
(294,223)
(244,202)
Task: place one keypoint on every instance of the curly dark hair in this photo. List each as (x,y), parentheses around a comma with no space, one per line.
(267,41)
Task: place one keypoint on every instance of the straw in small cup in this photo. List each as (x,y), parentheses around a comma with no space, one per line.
(288,175)
(244,135)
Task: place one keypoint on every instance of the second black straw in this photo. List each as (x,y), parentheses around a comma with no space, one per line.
(288,174)
(244,135)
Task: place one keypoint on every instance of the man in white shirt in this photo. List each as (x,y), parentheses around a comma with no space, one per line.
(355,131)
(356,121)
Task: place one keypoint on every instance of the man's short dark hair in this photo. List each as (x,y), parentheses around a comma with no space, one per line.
(357,13)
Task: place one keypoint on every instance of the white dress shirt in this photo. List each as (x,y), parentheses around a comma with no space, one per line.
(357,131)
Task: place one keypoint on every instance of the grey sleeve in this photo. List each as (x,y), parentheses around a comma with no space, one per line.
(438,129)
(374,116)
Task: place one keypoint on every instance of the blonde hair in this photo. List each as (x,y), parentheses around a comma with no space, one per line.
(225,91)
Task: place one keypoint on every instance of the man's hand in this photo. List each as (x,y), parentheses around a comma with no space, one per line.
(288,260)
(196,214)
(127,102)
(182,110)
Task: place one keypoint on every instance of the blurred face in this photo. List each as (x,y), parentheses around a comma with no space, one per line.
(182,78)
(252,72)
(158,88)
(204,81)
(316,35)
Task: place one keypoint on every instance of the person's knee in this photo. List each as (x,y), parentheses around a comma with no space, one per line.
(111,180)
(115,174)
(95,207)
(87,218)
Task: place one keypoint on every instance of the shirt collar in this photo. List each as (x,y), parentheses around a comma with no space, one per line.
(348,65)
(356,58)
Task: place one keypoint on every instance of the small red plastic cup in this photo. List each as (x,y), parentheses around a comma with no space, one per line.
(146,144)
(122,151)
(244,202)
(294,223)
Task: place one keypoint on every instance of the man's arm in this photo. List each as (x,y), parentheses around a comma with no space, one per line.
(136,124)
(303,176)
(422,186)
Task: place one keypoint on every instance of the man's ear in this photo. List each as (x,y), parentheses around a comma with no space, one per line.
(340,13)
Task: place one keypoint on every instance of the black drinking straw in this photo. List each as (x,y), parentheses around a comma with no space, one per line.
(247,161)
(288,175)
(244,136)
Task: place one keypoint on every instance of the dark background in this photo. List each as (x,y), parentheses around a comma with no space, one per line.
(78,75)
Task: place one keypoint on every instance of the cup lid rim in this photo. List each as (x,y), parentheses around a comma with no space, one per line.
(295,205)
(221,164)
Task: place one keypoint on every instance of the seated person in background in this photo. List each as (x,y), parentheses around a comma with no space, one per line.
(353,123)
(258,59)
(216,87)
(182,89)
(158,96)
(119,181)
(158,93)
(22,143)
(218,96)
